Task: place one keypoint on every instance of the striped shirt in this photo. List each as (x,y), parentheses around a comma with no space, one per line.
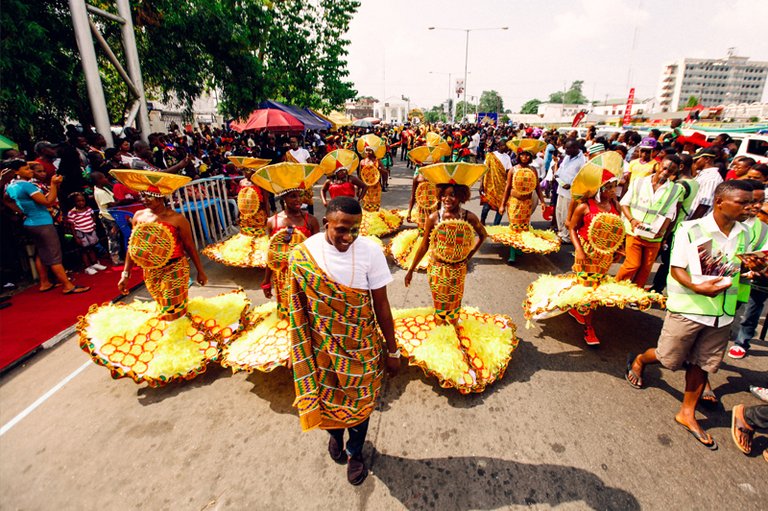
(82,220)
(708,180)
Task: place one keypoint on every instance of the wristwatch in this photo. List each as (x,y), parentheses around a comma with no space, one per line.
(395,354)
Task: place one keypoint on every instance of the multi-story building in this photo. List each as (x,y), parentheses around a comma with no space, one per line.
(712,82)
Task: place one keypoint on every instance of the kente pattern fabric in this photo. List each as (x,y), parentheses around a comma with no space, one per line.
(604,234)
(371,201)
(494,181)
(335,348)
(446,282)
(151,244)
(280,246)
(169,287)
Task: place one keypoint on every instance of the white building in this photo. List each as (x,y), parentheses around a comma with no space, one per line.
(712,81)
(616,107)
(743,112)
(560,112)
(205,110)
(391,110)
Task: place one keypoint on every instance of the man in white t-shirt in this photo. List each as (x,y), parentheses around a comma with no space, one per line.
(342,332)
(297,154)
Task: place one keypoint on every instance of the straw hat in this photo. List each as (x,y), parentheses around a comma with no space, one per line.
(150,182)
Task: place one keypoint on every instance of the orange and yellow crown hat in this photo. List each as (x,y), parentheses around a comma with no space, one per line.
(339,159)
(374,142)
(532,145)
(282,178)
(247,162)
(595,173)
(150,182)
(458,173)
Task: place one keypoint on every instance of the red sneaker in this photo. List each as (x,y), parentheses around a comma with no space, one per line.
(590,337)
(580,319)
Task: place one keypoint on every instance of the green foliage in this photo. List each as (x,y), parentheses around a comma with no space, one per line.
(692,102)
(289,50)
(504,119)
(573,95)
(463,109)
(531,106)
(490,101)
(436,114)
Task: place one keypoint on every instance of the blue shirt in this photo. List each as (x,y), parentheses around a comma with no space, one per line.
(36,214)
(548,155)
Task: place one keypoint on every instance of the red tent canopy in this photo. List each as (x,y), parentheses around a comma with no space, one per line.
(269,119)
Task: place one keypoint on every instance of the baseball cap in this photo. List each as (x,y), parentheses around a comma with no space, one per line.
(648,143)
(704,152)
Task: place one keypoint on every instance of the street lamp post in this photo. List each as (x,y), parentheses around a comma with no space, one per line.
(466,52)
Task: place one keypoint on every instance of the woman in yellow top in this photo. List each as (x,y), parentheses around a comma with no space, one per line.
(645,165)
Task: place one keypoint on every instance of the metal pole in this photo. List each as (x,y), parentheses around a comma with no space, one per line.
(466,58)
(450,106)
(90,69)
(134,68)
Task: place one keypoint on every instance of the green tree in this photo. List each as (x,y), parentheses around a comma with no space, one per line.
(531,106)
(463,109)
(692,102)
(490,101)
(435,114)
(250,51)
(573,95)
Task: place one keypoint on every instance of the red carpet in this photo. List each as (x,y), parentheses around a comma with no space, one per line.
(35,317)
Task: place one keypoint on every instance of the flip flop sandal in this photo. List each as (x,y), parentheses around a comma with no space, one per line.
(631,360)
(702,439)
(735,429)
(76,290)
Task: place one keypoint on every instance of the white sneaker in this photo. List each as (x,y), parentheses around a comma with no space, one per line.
(90,271)
(98,267)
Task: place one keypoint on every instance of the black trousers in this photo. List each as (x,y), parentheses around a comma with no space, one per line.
(356,437)
(756,416)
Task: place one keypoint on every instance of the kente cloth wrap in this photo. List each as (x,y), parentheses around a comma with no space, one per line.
(371,201)
(152,244)
(169,287)
(380,223)
(528,240)
(467,356)
(494,181)
(451,242)
(605,234)
(136,341)
(335,348)
(280,247)
(519,211)
(426,202)
(446,282)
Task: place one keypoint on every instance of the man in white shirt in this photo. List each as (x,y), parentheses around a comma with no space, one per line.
(297,154)
(474,144)
(701,305)
(570,166)
(342,332)
(708,176)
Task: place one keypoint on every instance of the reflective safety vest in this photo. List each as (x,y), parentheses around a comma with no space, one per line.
(685,301)
(649,213)
(758,233)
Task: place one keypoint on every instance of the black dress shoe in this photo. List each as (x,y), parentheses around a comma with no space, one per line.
(336,451)
(356,470)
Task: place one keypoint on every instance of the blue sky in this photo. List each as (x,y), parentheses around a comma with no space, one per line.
(548,44)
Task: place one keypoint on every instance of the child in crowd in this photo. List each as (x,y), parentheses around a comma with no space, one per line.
(81,220)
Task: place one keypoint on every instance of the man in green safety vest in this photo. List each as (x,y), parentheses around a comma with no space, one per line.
(755,292)
(702,300)
(649,206)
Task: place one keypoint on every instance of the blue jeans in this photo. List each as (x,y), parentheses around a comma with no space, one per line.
(751,317)
(356,437)
(484,215)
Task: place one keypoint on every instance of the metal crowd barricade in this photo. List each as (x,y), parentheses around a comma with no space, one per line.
(209,209)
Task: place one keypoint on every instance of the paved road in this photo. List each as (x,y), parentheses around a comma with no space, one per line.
(562,429)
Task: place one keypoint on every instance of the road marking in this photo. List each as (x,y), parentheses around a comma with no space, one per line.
(42,399)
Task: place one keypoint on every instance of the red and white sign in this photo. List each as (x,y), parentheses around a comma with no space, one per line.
(579,117)
(628,110)
(459,86)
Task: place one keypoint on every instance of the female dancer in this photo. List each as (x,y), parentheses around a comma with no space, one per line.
(464,348)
